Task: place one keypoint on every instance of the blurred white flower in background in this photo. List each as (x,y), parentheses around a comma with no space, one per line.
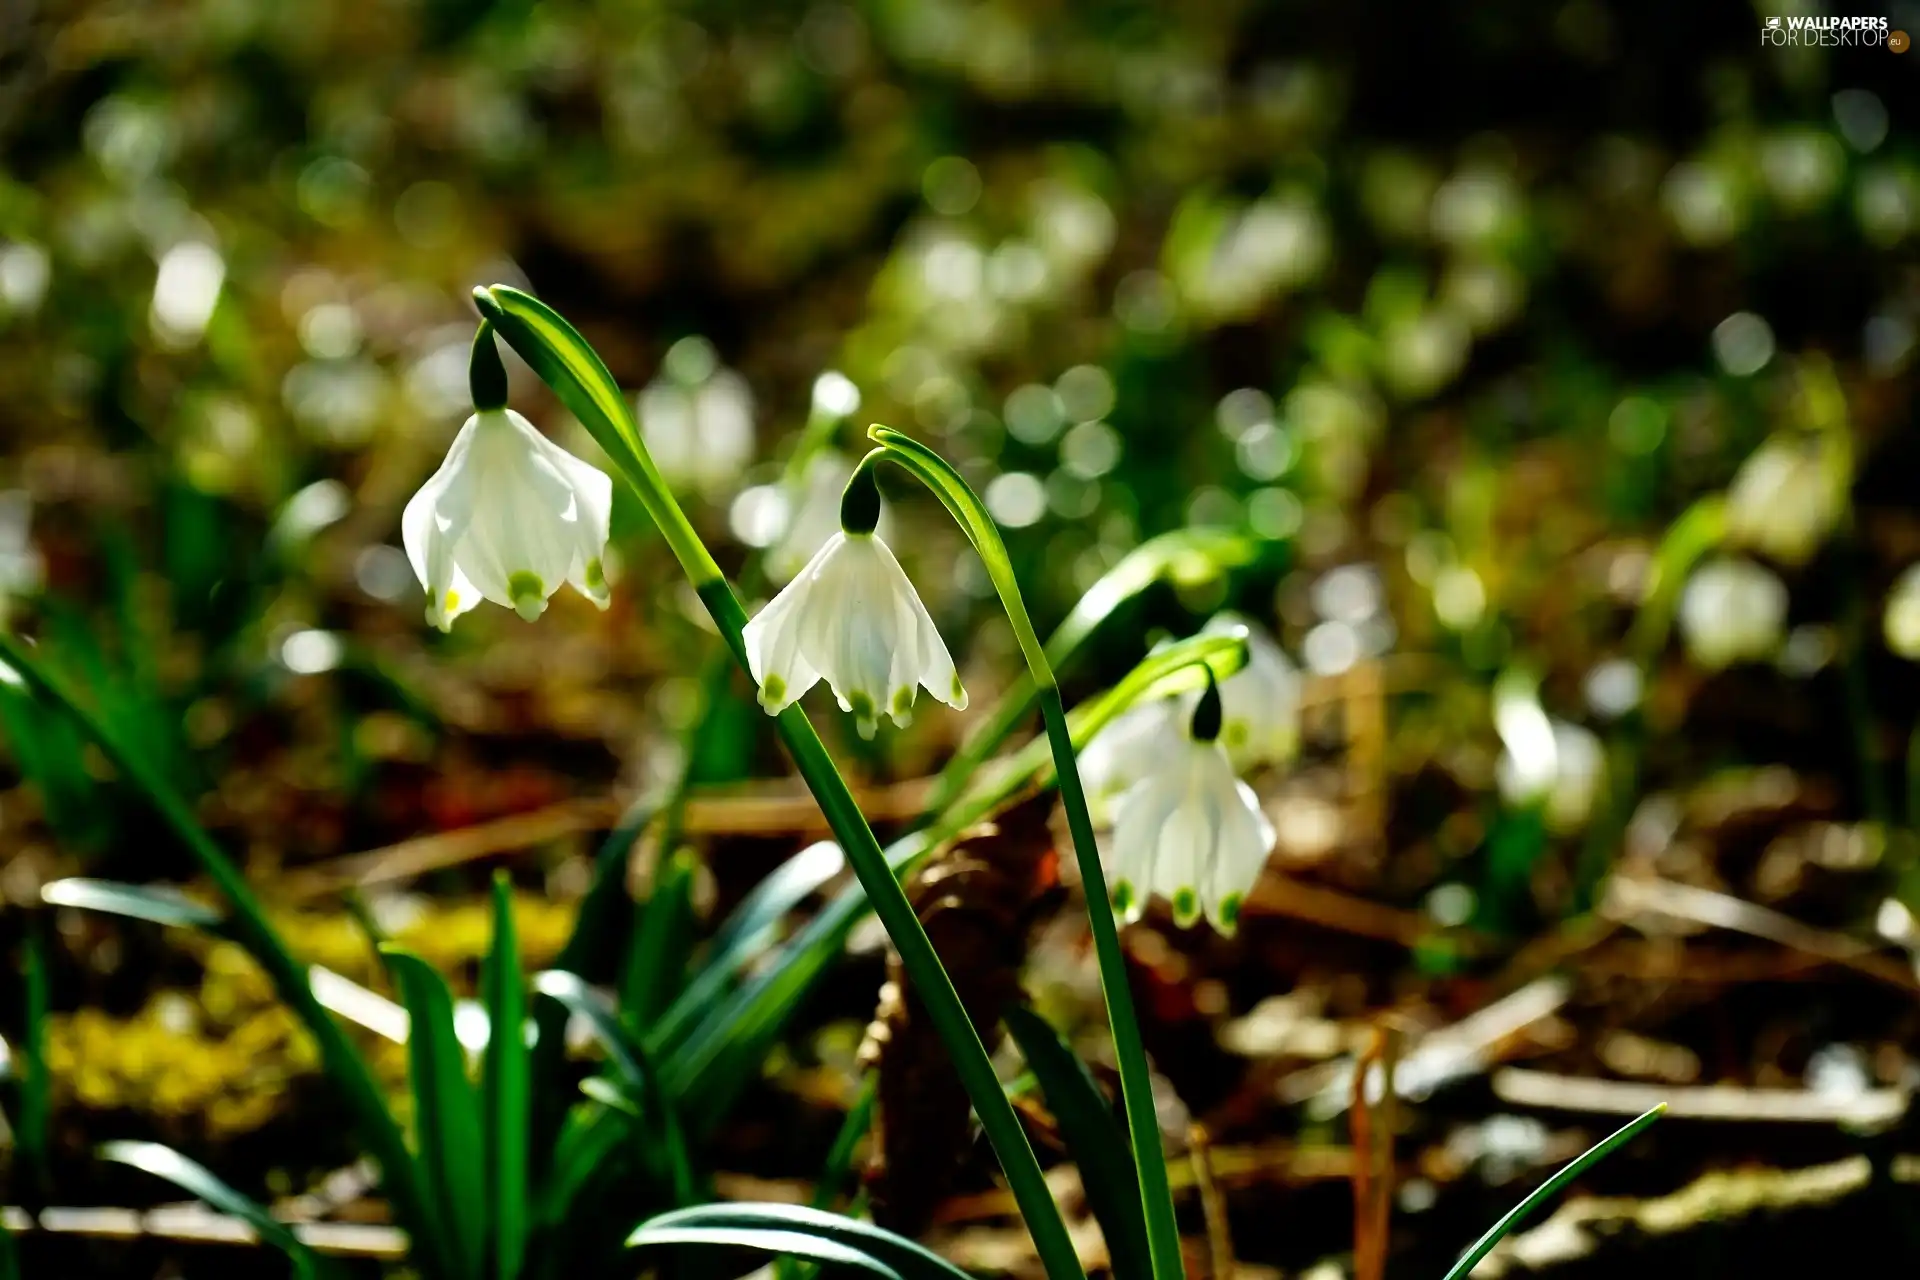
(1546,761)
(21,568)
(1732,610)
(1261,701)
(1786,498)
(697,419)
(1125,750)
(1902,620)
(508,517)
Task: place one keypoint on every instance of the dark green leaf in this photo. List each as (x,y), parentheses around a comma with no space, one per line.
(745,935)
(656,968)
(1094,1138)
(667,1149)
(503,987)
(36,1092)
(447,1127)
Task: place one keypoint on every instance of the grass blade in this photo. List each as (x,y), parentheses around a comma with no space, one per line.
(779,1244)
(656,968)
(505,1085)
(157,904)
(1520,1212)
(744,937)
(447,1128)
(900,1255)
(1092,1136)
(198,1180)
(36,1091)
(667,1148)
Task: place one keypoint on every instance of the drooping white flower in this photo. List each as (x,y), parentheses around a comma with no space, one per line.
(508,517)
(1785,499)
(1125,751)
(1552,763)
(1732,610)
(1260,702)
(851,617)
(1189,830)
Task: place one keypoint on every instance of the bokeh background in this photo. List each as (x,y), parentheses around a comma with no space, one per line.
(1458,311)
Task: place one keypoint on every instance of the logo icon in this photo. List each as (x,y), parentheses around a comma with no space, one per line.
(1773,24)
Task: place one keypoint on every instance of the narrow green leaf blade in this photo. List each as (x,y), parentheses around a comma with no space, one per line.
(910,1260)
(744,936)
(506,1086)
(447,1128)
(36,1087)
(662,941)
(1546,1190)
(779,1244)
(157,904)
(666,1142)
(1092,1135)
(197,1179)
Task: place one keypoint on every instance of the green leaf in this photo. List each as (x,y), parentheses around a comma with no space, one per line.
(197,1179)
(36,1086)
(656,968)
(505,1085)
(745,935)
(1520,1212)
(157,904)
(667,1149)
(900,1255)
(249,926)
(588,952)
(839,1162)
(447,1128)
(1092,1135)
(788,1244)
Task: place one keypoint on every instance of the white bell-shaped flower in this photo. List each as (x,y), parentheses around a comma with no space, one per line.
(1125,751)
(1786,498)
(851,617)
(1260,703)
(508,517)
(698,419)
(1732,610)
(1190,831)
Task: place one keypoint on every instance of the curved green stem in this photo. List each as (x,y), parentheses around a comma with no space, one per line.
(1136,1084)
(578,376)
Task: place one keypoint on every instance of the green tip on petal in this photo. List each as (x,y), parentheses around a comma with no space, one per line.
(861,704)
(596,577)
(773,692)
(901,702)
(867,727)
(1228,918)
(1186,907)
(959,698)
(528,593)
(1123,899)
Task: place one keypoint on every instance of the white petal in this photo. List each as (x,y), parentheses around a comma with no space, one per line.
(772,641)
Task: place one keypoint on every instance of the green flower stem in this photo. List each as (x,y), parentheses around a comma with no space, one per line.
(568,365)
(248,926)
(1136,1084)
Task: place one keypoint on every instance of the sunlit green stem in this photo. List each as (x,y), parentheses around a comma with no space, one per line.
(1136,1084)
(568,365)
